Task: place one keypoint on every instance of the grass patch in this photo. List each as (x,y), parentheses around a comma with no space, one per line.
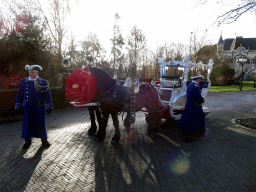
(247,86)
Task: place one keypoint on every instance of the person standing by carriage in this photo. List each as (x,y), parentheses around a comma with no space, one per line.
(192,119)
(34,98)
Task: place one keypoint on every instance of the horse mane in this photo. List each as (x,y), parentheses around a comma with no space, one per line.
(103,80)
(148,87)
(153,93)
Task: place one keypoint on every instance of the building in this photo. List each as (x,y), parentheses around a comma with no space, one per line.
(238,47)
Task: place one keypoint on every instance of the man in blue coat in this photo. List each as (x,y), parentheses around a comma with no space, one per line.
(34,98)
(192,119)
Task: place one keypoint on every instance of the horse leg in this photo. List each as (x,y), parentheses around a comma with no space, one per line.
(127,121)
(154,122)
(103,125)
(98,115)
(117,135)
(93,128)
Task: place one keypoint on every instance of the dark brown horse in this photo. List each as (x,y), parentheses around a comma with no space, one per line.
(96,85)
(148,97)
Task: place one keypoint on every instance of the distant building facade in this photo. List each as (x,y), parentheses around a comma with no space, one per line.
(234,48)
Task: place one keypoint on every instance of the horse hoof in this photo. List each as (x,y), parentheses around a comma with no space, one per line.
(100,136)
(91,133)
(115,139)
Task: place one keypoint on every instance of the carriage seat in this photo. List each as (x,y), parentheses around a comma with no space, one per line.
(170,84)
(171,76)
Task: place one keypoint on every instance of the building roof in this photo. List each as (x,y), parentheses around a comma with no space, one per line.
(234,43)
(250,43)
(228,43)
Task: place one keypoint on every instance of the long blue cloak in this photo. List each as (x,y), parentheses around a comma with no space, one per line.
(192,119)
(34,103)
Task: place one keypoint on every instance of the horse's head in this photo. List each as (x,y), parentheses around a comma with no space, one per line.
(147,97)
(85,85)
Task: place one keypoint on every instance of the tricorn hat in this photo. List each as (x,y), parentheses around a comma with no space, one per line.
(198,76)
(33,67)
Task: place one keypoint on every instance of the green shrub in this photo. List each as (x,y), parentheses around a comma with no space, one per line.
(227,71)
(8,97)
(58,98)
(221,74)
(253,77)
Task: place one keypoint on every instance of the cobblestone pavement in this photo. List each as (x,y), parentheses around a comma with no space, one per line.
(222,160)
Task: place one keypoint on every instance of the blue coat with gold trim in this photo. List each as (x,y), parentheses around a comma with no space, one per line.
(34,98)
(192,119)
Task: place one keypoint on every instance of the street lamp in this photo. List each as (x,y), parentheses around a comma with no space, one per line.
(242,60)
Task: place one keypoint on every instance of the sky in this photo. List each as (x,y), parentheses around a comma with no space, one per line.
(161,21)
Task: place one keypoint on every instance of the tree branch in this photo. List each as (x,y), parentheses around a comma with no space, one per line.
(234,14)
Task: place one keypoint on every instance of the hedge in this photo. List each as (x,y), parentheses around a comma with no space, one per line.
(8,97)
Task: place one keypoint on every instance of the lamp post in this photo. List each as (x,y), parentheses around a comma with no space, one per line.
(254,86)
(253,73)
(190,44)
(242,60)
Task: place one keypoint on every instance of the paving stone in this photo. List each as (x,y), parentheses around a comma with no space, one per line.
(222,160)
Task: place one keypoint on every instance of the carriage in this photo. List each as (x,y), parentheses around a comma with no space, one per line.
(172,88)
(163,99)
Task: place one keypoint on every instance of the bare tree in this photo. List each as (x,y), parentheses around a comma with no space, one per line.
(167,51)
(197,42)
(171,51)
(93,49)
(179,51)
(13,15)
(56,21)
(55,14)
(232,15)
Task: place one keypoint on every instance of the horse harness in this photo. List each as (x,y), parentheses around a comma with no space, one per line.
(121,96)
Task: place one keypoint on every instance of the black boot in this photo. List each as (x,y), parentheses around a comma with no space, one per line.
(27,143)
(45,143)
